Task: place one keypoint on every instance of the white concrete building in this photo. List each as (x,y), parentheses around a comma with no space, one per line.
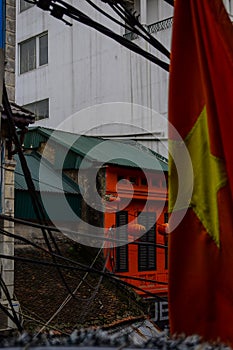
(62,70)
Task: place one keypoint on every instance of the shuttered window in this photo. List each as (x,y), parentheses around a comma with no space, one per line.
(147,253)
(122,234)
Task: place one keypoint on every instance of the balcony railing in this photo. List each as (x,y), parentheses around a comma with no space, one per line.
(161,25)
(152,28)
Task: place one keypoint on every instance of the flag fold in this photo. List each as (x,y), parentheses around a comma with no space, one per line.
(201,110)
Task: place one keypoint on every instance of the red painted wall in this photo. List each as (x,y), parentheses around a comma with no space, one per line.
(135,193)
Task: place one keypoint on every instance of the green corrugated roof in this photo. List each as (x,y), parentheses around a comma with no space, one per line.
(24,207)
(94,149)
(43,174)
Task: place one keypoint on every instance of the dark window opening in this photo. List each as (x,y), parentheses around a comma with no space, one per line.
(23,5)
(147,252)
(43,49)
(133,180)
(144,182)
(39,108)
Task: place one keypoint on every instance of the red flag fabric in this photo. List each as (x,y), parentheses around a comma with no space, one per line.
(201,110)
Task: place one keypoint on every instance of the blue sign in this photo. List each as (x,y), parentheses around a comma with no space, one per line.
(2,23)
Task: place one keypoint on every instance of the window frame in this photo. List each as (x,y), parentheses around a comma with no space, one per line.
(44,34)
(27,4)
(37,52)
(33,110)
(22,60)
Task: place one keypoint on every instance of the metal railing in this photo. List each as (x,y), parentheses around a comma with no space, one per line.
(161,25)
(152,28)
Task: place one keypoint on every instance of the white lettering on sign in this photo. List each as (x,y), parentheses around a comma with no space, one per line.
(161,311)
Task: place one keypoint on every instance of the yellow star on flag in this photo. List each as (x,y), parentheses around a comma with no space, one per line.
(209,176)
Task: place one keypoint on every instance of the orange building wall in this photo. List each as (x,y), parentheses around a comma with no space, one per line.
(138,193)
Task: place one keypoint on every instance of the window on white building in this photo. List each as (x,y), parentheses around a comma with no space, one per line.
(27,55)
(43,49)
(23,5)
(39,108)
(33,53)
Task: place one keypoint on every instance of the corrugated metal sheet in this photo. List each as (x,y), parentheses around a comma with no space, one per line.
(51,183)
(45,178)
(138,333)
(122,153)
(24,208)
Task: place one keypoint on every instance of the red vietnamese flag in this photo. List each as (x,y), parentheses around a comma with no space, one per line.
(201,110)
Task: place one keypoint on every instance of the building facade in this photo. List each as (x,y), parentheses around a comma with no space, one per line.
(62,70)
(130,198)
(145,259)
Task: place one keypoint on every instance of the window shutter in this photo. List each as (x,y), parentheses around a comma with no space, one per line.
(147,253)
(122,234)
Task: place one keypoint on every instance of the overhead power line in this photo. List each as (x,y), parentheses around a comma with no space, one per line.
(110,276)
(68,298)
(37,206)
(59,9)
(82,266)
(81,234)
(12,315)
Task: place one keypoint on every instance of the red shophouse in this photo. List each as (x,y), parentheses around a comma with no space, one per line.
(133,185)
(148,258)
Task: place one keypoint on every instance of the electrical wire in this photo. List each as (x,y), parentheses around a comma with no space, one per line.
(37,206)
(41,182)
(130,18)
(110,276)
(58,11)
(121,40)
(38,321)
(133,48)
(67,231)
(107,15)
(132,24)
(13,316)
(83,267)
(31,243)
(68,298)
(85,312)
